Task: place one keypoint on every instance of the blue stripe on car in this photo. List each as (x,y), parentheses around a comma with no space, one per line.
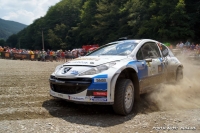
(98,85)
(142,68)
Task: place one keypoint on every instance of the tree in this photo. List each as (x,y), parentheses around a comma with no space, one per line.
(12,41)
(160,19)
(84,30)
(110,20)
(73,23)
(193,10)
(2,42)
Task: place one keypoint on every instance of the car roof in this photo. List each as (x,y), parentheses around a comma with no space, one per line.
(133,40)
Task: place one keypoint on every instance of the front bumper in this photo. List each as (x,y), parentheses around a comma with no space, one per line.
(78,90)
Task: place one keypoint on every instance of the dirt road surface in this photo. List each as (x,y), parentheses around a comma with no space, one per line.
(25,105)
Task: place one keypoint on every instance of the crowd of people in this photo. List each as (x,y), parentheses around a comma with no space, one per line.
(188,48)
(48,55)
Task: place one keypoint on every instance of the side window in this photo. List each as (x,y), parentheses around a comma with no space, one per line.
(155,50)
(148,50)
(139,55)
(163,49)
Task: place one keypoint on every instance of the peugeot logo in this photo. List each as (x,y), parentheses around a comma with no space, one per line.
(65,70)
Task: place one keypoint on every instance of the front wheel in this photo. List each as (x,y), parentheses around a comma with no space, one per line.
(124,97)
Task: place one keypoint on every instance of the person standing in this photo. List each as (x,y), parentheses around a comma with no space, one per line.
(181,45)
(62,55)
(187,44)
(51,56)
(43,55)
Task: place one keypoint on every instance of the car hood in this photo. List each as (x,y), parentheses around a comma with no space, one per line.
(93,60)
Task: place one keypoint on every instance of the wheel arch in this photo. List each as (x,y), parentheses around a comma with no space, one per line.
(127,73)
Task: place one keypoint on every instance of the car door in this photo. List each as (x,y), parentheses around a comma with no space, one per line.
(152,75)
(167,57)
(160,62)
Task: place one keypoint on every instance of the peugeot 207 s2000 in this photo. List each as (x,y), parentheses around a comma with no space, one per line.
(116,74)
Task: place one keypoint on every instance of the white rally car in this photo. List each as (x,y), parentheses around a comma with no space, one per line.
(116,74)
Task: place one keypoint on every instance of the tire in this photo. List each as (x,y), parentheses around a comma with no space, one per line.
(124,97)
(179,74)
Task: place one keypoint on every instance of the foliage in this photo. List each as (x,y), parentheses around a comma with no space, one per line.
(73,23)
(2,42)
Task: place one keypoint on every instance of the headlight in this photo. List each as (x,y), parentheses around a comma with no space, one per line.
(52,77)
(98,69)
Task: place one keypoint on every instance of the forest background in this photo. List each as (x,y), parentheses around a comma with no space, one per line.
(72,23)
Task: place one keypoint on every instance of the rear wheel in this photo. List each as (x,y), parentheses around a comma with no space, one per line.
(179,74)
(124,97)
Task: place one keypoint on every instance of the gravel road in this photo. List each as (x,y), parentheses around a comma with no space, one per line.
(25,105)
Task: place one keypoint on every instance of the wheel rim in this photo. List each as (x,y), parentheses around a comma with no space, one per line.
(128,97)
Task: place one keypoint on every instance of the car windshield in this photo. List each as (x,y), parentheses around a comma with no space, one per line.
(116,48)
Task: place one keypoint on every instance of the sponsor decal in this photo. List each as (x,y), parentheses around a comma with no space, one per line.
(74,72)
(100,80)
(99,99)
(100,93)
(87,97)
(77,98)
(141,67)
(98,85)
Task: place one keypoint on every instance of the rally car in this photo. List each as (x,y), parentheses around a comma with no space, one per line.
(116,74)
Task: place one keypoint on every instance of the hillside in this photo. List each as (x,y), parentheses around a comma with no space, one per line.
(71,24)
(8,28)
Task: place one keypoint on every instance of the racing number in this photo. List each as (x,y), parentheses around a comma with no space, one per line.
(100,80)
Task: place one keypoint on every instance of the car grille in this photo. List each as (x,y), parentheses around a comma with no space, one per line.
(71,86)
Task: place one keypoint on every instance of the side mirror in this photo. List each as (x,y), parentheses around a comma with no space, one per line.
(148,60)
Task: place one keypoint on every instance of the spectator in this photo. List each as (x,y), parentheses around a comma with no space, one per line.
(51,55)
(192,46)
(187,44)
(43,54)
(70,55)
(1,49)
(181,45)
(58,56)
(39,55)
(62,55)
(177,45)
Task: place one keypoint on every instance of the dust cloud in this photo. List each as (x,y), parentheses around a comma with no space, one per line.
(182,95)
